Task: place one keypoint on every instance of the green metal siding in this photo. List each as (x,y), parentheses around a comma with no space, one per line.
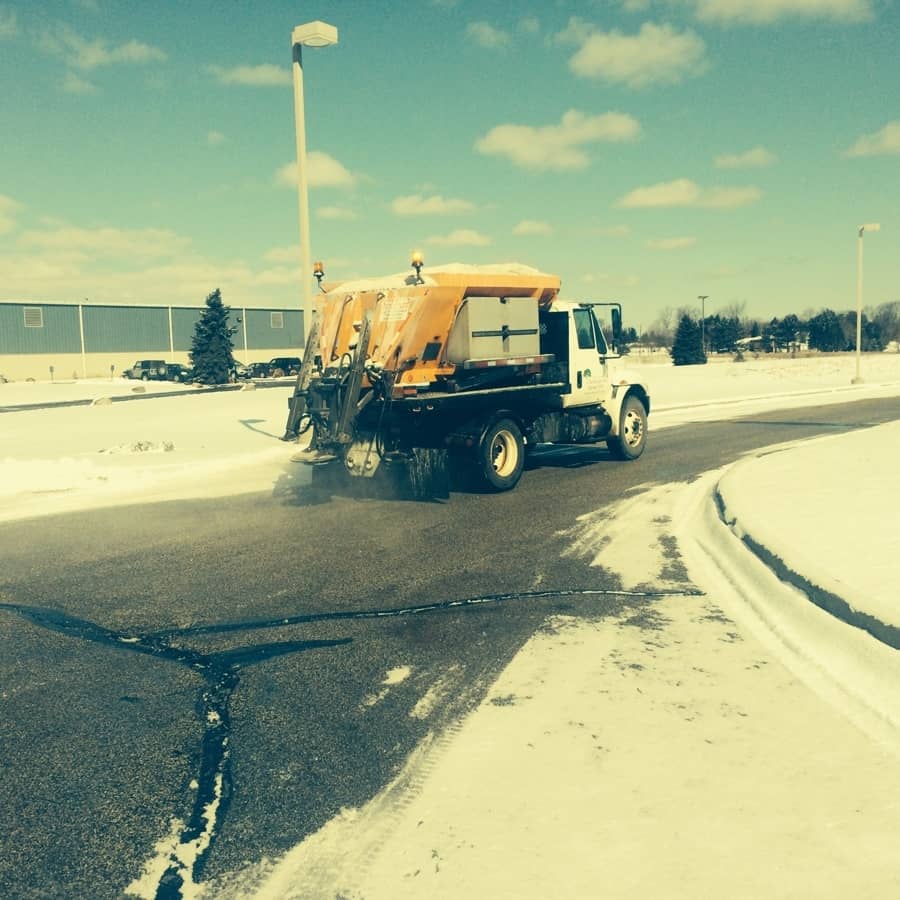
(139,329)
(262,336)
(116,329)
(59,334)
(184,321)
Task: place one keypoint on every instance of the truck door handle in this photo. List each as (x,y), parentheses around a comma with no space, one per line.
(579,380)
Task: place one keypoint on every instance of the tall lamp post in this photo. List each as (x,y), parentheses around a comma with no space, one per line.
(703,298)
(312,34)
(861,230)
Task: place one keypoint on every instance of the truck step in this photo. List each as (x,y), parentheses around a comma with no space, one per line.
(313,457)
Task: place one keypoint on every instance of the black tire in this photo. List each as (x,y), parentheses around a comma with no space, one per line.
(629,443)
(500,456)
(145,377)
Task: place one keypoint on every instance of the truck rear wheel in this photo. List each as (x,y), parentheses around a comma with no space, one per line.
(501,455)
(632,437)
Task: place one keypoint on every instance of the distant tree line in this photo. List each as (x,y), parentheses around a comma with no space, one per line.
(826,330)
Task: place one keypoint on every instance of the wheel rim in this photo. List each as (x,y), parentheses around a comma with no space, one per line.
(633,429)
(504,455)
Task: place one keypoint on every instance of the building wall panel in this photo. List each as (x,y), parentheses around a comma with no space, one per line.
(115,329)
(261,335)
(184,321)
(59,333)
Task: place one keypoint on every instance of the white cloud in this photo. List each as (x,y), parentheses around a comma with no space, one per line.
(557,147)
(657,54)
(576,32)
(184,279)
(265,75)
(322,171)
(677,243)
(75,84)
(462,237)
(214,138)
(143,265)
(530,25)
(9,25)
(8,210)
(614,231)
(418,205)
(289,253)
(140,244)
(763,12)
(336,212)
(885,142)
(532,226)
(682,192)
(485,35)
(279,276)
(86,55)
(756,158)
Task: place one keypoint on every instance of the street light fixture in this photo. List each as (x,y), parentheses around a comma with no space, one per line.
(703,298)
(861,230)
(312,34)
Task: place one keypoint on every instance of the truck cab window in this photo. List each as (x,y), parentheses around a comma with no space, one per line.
(602,347)
(584,328)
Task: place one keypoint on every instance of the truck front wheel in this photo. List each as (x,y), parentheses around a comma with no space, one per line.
(501,455)
(632,437)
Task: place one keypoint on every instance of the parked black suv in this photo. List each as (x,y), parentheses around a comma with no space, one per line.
(178,372)
(284,365)
(258,370)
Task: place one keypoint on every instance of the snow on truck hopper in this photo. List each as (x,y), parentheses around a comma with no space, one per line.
(469,365)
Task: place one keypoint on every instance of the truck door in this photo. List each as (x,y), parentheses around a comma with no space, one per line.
(587,360)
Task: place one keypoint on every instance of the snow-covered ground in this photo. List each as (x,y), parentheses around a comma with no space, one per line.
(747,746)
(173,442)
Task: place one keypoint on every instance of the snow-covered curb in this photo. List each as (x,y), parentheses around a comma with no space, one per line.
(787,531)
(852,670)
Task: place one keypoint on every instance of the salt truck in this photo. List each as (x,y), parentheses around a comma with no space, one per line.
(464,365)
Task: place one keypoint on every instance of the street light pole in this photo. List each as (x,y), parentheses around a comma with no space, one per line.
(861,230)
(312,34)
(703,298)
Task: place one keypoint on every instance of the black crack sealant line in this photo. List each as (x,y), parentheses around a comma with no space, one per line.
(186,853)
(220,674)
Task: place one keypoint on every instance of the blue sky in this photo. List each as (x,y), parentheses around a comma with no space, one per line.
(643,150)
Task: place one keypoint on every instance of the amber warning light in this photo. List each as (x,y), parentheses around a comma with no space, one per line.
(417,261)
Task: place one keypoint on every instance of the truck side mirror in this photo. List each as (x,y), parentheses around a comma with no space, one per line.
(617,326)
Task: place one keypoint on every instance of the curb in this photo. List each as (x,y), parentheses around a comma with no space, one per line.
(827,601)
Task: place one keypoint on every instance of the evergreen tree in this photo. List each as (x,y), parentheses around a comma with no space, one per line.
(687,349)
(211,345)
(825,332)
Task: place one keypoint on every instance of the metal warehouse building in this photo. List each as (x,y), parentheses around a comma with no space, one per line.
(74,340)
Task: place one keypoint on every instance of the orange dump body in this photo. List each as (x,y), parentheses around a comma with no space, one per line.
(411,324)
